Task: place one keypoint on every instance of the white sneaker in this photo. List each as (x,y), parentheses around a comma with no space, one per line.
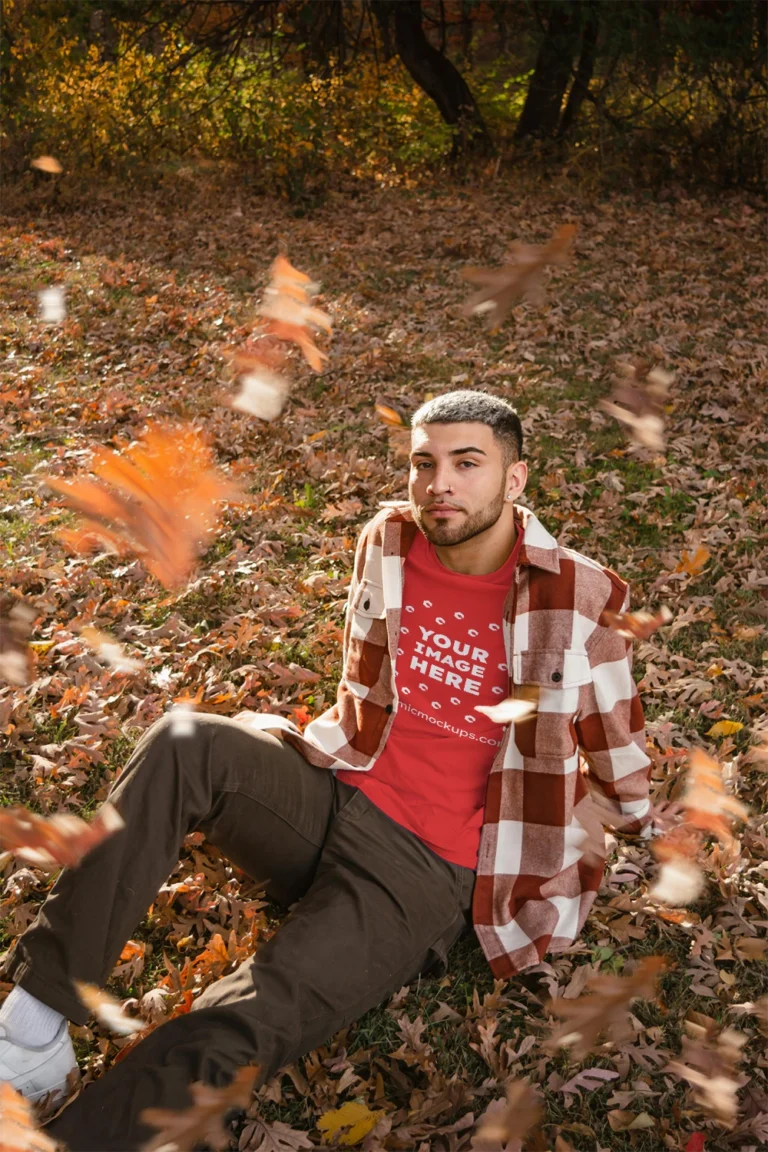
(34,1072)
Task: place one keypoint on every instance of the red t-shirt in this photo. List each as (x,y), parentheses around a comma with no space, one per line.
(432,773)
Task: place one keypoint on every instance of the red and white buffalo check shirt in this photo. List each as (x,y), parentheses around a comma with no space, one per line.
(534,888)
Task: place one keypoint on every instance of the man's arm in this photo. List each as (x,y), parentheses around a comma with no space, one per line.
(611,732)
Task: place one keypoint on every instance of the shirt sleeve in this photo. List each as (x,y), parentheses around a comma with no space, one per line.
(611,732)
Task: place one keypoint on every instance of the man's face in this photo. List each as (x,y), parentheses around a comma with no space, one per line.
(457,483)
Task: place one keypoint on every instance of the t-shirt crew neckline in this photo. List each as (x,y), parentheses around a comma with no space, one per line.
(502,575)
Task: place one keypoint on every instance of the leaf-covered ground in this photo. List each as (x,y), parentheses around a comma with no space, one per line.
(157,285)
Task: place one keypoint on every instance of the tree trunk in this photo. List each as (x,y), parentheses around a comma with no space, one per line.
(323,25)
(383,16)
(580,88)
(436,75)
(541,112)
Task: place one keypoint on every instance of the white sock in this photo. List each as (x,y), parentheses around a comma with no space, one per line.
(30,1023)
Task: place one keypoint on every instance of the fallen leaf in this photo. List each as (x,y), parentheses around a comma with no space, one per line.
(725,728)
(349,1124)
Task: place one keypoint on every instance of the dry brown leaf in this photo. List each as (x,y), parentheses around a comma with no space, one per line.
(637,402)
(506,1120)
(55,841)
(521,278)
(162,502)
(606,1011)
(203,1121)
(18,1130)
(708,1062)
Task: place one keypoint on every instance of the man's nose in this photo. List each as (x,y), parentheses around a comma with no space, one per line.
(439,482)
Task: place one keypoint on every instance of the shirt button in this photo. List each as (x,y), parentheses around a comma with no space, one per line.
(367,604)
(388,708)
(557,677)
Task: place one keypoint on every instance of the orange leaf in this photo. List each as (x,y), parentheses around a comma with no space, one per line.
(695,564)
(18,1130)
(55,841)
(163,505)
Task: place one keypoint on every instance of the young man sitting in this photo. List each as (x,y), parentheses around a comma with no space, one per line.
(401,816)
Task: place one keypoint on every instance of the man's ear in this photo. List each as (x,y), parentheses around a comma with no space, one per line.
(517,478)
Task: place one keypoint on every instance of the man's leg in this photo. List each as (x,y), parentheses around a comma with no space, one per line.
(242,788)
(381,908)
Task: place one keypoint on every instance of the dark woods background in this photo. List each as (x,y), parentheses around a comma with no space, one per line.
(299,95)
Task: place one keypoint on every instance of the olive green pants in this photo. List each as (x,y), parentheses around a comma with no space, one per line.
(373,907)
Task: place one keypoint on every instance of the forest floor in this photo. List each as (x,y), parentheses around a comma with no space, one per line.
(157,286)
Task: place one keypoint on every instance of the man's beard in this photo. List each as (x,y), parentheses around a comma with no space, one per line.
(446,534)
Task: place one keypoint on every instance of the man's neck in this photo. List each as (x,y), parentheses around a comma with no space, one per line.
(481,555)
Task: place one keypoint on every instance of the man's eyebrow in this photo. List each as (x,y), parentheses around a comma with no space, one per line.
(453,452)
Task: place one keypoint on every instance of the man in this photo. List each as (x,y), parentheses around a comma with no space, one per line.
(433,815)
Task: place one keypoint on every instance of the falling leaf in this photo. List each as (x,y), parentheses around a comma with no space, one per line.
(725,728)
(47,164)
(678,883)
(507,1120)
(708,1062)
(513,710)
(162,501)
(108,650)
(296,334)
(262,394)
(521,278)
(18,1130)
(203,1121)
(55,841)
(107,1010)
(289,313)
(16,659)
(350,1123)
(589,1017)
(182,720)
(52,307)
(635,625)
(707,805)
(398,431)
(637,402)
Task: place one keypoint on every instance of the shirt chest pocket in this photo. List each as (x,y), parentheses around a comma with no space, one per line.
(554,677)
(368,643)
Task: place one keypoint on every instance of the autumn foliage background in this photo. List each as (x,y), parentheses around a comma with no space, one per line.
(184,174)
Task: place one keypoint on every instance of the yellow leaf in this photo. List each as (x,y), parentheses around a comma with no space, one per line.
(725,728)
(357,1119)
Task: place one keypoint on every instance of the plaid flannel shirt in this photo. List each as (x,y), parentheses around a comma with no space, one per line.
(534,886)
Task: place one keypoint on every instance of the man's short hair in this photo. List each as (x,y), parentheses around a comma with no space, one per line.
(464,405)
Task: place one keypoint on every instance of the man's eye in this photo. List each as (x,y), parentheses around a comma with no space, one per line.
(470,462)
